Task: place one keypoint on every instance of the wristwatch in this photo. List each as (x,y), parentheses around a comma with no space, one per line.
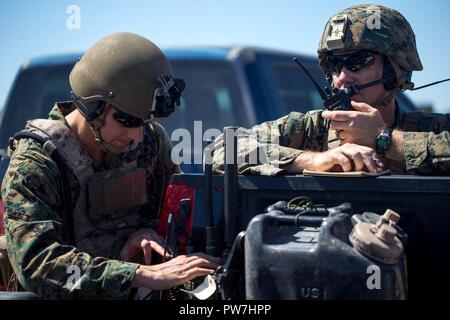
(384,141)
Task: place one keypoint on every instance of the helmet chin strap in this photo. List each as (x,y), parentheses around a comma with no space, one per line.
(109,148)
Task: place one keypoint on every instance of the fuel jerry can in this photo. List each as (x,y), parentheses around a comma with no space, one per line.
(324,257)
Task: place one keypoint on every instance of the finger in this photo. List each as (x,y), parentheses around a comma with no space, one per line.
(363,149)
(377,160)
(356,157)
(159,249)
(147,250)
(200,255)
(343,161)
(370,165)
(338,115)
(205,256)
(340,125)
(153,236)
(362,107)
(197,272)
(189,275)
(379,164)
(345,136)
(203,263)
(370,158)
(184,261)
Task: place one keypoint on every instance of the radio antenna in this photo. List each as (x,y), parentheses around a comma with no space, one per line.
(319,89)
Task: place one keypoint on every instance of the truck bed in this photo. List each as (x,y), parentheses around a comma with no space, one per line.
(422,202)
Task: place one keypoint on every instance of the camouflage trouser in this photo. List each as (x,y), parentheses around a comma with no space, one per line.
(7,276)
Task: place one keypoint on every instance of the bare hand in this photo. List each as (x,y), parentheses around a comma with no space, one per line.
(348,157)
(361,126)
(144,240)
(175,272)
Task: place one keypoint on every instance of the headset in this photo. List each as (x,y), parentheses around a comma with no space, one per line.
(165,99)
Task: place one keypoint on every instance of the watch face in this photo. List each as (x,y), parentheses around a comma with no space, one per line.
(382,143)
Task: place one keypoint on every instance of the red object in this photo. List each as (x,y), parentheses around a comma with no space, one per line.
(175,193)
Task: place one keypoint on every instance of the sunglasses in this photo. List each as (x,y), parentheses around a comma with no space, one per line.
(127,120)
(353,62)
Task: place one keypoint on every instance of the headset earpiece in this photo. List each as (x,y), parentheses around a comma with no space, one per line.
(89,110)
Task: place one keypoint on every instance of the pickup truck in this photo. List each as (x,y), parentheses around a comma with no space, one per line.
(422,203)
(238,86)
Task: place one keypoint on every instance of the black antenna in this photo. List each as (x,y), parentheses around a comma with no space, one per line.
(430,84)
(231,185)
(211,243)
(319,89)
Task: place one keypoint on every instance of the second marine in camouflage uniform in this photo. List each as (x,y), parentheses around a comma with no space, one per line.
(355,51)
(426,143)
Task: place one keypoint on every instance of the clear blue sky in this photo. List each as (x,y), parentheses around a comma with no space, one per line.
(33,28)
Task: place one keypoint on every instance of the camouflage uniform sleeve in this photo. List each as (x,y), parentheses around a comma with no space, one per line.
(35,233)
(270,148)
(428,152)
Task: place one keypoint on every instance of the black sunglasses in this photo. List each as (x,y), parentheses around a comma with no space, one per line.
(127,120)
(353,62)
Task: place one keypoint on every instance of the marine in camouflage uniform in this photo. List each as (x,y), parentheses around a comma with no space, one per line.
(426,139)
(37,240)
(38,233)
(426,143)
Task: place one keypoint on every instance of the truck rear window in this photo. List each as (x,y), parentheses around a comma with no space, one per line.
(296,90)
(33,96)
(211,100)
(211,96)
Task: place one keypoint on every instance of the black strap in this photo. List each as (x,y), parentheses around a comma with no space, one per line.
(51,149)
(26,134)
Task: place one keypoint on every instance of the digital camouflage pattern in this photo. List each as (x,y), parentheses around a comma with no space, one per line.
(394,36)
(36,231)
(426,143)
(269,148)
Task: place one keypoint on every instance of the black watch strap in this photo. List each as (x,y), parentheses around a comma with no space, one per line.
(384,141)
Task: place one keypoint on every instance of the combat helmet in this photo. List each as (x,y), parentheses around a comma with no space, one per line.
(374,28)
(130,73)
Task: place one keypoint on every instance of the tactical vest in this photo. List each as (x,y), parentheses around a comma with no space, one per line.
(106,210)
